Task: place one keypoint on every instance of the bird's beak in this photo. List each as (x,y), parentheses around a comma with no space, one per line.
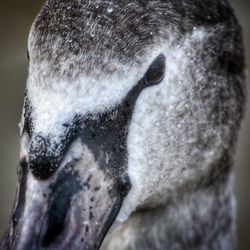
(73,209)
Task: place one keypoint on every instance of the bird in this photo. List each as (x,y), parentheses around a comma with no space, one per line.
(129,128)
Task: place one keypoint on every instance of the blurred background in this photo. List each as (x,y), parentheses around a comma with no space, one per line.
(15,20)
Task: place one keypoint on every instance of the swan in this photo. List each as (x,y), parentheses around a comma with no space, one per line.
(129,127)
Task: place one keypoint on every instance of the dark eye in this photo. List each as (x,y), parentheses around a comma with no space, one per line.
(28,55)
(156,70)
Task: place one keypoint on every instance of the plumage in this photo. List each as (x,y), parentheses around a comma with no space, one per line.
(139,104)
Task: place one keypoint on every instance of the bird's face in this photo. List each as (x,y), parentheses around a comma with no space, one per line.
(73,169)
(118,116)
(73,173)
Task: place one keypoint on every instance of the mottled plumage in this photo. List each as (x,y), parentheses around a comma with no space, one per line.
(168,145)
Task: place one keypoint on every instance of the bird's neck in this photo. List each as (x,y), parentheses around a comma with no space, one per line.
(204,219)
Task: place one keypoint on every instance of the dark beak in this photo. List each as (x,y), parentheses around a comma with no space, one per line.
(73,209)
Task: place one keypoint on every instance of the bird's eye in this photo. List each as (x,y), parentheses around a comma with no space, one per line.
(156,70)
(28,55)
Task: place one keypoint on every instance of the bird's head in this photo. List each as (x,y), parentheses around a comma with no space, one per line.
(120,114)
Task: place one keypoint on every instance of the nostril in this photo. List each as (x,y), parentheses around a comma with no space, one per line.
(64,190)
(55,228)
(56,218)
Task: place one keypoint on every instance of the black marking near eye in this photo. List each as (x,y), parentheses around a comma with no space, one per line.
(104,133)
(28,126)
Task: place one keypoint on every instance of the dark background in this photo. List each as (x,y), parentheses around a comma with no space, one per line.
(15,20)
